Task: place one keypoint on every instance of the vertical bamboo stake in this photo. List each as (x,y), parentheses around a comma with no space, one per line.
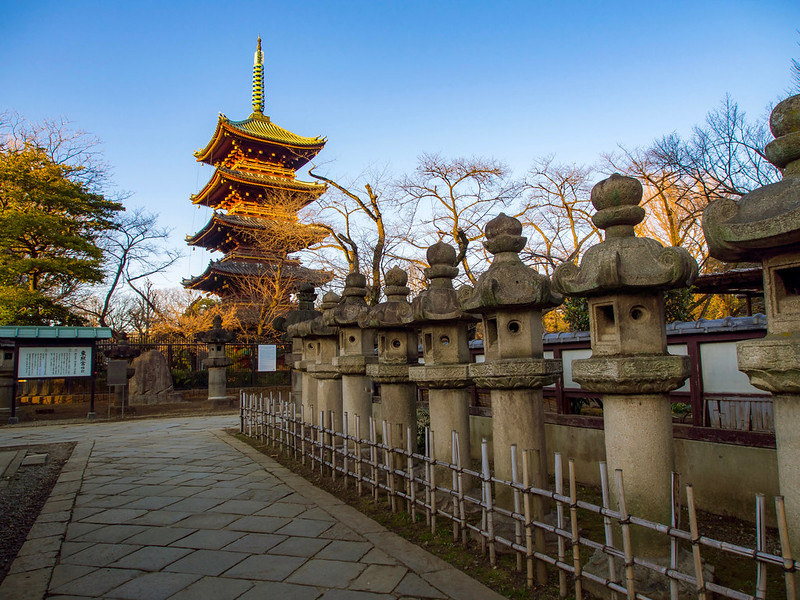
(573,517)
(698,562)
(346,441)
(786,549)
(538,514)
(487,483)
(388,458)
(761,542)
(462,512)
(526,507)
(321,440)
(427,470)
(411,488)
(674,521)
(517,506)
(332,437)
(294,430)
(454,483)
(626,537)
(609,531)
(373,455)
(562,553)
(433,481)
(302,435)
(359,482)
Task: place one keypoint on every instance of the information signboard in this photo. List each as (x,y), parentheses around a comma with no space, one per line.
(54,361)
(267,357)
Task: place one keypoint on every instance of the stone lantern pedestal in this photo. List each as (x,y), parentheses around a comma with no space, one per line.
(510,297)
(624,278)
(397,350)
(445,348)
(321,342)
(303,393)
(217,362)
(764,226)
(356,351)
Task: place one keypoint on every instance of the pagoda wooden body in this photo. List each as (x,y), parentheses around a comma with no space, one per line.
(255,196)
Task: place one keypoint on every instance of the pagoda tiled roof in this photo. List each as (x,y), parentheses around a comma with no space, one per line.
(220,271)
(214,233)
(208,196)
(260,131)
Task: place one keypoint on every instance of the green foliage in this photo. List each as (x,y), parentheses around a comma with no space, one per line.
(679,305)
(576,313)
(50,222)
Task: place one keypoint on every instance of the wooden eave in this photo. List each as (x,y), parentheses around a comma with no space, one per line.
(224,181)
(293,153)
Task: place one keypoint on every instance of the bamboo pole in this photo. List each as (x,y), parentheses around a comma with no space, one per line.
(302,435)
(427,471)
(346,442)
(517,505)
(412,488)
(489,500)
(761,542)
(359,478)
(626,537)
(432,472)
(462,512)
(321,440)
(454,482)
(562,554)
(526,507)
(693,529)
(786,549)
(609,530)
(573,517)
(373,455)
(674,522)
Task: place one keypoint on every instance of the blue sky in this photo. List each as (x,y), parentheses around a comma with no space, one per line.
(384,81)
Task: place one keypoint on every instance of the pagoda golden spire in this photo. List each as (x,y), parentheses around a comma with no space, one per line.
(258,80)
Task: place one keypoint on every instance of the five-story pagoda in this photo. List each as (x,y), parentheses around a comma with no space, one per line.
(255,197)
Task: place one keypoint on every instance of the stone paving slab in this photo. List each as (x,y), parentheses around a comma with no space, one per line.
(175,509)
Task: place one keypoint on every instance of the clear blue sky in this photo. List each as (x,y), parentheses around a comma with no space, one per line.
(384,81)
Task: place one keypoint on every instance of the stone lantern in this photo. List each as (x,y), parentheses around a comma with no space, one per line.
(624,278)
(397,350)
(119,371)
(510,297)
(356,351)
(302,394)
(322,342)
(445,348)
(216,338)
(764,226)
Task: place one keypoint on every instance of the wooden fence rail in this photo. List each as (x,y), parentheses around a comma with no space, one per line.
(411,481)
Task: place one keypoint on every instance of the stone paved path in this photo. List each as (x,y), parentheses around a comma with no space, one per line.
(175,508)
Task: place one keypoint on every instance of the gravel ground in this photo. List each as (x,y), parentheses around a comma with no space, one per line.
(23,495)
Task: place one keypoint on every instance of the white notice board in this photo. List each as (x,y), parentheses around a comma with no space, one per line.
(54,361)
(267,357)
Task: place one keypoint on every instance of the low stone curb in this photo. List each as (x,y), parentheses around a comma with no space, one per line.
(29,576)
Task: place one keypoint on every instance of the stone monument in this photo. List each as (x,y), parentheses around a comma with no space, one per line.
(302,394)
(217,362)
(322,342)
(764,226)
(510,297)
(445,349)
(120,356)
(397,350)
(356,351)
(624,278)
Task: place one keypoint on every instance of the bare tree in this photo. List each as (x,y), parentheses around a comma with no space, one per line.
(357,225)
(557,207)
(134,250)
(453,199)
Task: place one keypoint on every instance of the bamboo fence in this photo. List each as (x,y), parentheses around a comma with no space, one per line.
(376,466)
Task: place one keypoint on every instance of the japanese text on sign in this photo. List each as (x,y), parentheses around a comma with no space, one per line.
(60,361)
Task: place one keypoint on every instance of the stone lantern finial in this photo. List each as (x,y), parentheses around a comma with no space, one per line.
(442,260)
(396,280)
(623,263)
